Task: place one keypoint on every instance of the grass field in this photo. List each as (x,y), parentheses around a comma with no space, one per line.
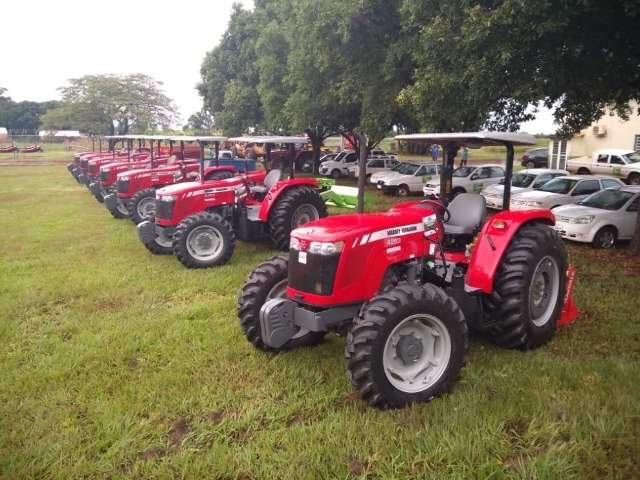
(119,364)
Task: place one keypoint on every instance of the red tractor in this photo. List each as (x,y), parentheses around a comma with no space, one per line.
(406,286)
(199,221)
(135,190)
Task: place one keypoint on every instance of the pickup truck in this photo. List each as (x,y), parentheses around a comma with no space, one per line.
(624,164)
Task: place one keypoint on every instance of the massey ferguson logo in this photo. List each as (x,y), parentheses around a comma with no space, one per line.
(401,231)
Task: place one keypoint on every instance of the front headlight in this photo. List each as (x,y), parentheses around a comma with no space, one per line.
(123,178)
(294,244)
(533,204)
(583,220)
(326,248)
(167,198)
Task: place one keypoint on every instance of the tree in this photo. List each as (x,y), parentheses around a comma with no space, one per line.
(500,56)
(230,78)
(113,104)
(25,116)
(202,122)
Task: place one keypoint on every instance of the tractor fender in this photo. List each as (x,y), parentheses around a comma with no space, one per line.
(492,243)
(278,189)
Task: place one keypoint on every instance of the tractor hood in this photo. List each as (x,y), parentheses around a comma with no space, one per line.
(187,187)
(345,227)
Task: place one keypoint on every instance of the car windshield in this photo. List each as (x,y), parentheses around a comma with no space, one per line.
(522,180)
(607,199)
(559,185)
(398,167)
(409,168)
(463,171)
(632,157)
(340,156)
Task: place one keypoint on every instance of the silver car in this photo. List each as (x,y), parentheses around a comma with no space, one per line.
(562,191)
(602,218)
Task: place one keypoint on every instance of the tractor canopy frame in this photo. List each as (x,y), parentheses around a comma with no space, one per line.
(269,141)
(451,142)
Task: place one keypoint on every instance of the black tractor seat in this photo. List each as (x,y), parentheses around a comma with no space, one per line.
(273,177)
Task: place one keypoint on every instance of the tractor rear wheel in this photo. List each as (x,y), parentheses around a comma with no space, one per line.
(295,207)
(267,281)
(142,205)
(529,289)
(407,345)
(204,240)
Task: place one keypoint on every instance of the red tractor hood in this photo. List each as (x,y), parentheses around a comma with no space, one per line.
(187,187)
(343,227)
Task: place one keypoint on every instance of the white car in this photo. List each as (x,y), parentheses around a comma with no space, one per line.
(601,218)
(407,177)
(376,165)
(468,179)
(562,191)
(524,180)
(338,166)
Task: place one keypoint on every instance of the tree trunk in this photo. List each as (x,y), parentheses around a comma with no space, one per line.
(634,247)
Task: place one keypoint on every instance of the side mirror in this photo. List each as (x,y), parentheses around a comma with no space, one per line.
(474,177)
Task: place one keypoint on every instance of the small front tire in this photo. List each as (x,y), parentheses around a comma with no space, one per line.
(267,281)
(142,205)
(204,240)
(407,345)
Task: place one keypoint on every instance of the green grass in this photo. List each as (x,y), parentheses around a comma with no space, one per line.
(119,364)
(52,153)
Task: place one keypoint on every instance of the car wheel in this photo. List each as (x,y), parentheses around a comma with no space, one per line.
(605,238)
(336,174)
(403,190)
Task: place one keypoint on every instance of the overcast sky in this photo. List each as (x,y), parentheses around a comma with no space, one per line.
(44,43)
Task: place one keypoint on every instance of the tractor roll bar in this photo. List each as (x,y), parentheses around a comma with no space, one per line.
(451,142)
(269,141)
(202,141)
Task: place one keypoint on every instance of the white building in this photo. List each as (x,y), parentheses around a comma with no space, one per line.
(610,131)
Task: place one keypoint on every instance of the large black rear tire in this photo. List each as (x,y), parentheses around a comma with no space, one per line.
(528,289)
(295,207)
(407,345)
(139,206)
(268,280)
(204,240)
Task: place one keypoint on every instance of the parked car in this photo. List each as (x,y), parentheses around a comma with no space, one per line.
(602,218)
(468,179)
(376,177)
(375,165)
(535,158)
(338,166)
(617,162)
(522,181)
(408,179)
(562,191)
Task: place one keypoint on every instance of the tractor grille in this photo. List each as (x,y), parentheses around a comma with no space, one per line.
(84,164)
(123,186)
(104,176)
(93,169)
(316,275)
(164,209)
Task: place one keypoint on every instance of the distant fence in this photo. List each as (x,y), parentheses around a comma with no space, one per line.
(71,144)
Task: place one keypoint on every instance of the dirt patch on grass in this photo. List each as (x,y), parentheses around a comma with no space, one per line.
(178,431)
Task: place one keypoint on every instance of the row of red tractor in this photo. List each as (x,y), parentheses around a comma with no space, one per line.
(405,286)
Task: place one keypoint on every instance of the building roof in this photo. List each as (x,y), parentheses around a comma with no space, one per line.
(60,133)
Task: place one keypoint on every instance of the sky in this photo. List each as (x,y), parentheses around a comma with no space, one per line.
(44,43)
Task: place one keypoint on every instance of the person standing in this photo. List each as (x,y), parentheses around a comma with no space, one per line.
(435,152)
(464,156)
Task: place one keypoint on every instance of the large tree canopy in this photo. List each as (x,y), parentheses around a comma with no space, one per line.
(22,116)
(112,104)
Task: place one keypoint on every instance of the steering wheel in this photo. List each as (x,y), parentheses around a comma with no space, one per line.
(439,209)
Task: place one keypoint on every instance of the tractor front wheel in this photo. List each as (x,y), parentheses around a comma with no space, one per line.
(529,289)
(204,240)
(161,244)
(142,205)
(407,345)
(119,211)
(295,207)
(269,280)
